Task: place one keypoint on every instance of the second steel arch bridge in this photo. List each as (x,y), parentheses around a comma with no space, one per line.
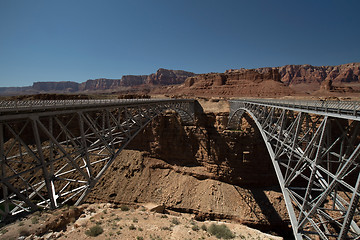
(314,147)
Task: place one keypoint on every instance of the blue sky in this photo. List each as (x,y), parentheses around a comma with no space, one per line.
(76,40)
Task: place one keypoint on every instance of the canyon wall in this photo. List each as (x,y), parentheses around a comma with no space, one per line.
(67,86)
(236,83)
(205,169)
(314,75)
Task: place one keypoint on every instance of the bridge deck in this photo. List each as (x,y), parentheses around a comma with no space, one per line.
(338,109)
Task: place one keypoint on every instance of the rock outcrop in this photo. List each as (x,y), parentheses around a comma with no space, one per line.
(66,86)
(161,77)
(99,84)
(133,80)
(242,82)
(314,75)
(168,77)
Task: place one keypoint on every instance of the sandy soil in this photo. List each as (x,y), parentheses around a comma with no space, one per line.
(117,222)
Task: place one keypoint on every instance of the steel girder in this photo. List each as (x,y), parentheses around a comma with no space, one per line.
(315,152)
(54,153)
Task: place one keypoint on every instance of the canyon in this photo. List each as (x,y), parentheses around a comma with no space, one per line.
(288,80)
(206,170)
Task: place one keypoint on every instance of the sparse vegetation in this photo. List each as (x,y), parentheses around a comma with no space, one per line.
(24,232)
(220,231)
(175,221)
(135,220)
(3,231)
(164,216)
(94,231)
(124,208)
(139,238)
(132,227)
(195,227)
(203,227)
(35,220)
(166,228)
(155,237)
(140,229)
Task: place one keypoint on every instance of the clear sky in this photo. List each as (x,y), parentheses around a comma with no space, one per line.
(76,40)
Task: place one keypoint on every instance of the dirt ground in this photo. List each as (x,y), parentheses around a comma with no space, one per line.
(120,222)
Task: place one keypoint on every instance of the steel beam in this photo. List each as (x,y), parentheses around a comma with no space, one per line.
(315,150)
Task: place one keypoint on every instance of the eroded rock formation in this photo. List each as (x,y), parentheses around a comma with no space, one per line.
(207,170)
(315,75)
(237,83)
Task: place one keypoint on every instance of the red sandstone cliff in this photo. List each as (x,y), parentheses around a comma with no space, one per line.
(161,77)
(237,83)
(99,84)
(313,75)
(168,77)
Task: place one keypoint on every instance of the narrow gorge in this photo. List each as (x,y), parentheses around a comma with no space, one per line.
(205,169)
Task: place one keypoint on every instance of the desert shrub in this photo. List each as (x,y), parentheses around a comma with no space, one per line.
(3,230)
(132,227)
(175,221)
(135,220)
(220,231)
(94,231)
(195,227)
(139,238)
(24,232)
(164,216)
(124,208)
(35,220)
(203,227)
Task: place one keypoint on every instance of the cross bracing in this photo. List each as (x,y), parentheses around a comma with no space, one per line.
(314,147)
(54,152)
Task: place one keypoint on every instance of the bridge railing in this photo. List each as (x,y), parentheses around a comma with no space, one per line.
(11,106)
(350,108)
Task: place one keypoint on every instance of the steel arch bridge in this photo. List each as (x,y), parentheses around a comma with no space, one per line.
(54,152)
(314,147)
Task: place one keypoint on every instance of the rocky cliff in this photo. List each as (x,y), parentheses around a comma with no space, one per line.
(314,76)
(242,82)
(168,77)
(206,169)
(133,80)
(161,77)
(66,86)
(99,84)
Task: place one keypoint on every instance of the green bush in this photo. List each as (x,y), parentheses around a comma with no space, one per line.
(139,238)
(220,231)
(94,231)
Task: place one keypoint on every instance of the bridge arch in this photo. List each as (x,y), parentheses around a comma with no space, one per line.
(53,152)
(306,142)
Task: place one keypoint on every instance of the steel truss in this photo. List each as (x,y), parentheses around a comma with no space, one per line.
(314,147)
(54,152)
